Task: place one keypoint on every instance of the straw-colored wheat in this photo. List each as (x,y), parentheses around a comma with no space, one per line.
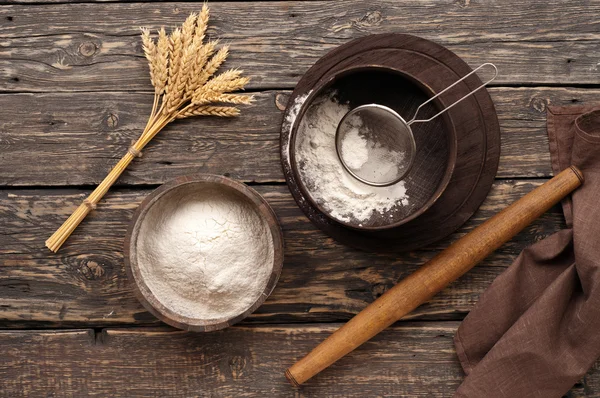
(183,72)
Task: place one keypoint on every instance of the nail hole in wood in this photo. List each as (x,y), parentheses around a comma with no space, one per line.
(9,19)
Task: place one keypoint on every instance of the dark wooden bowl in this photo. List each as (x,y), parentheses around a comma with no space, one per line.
(474,122)
(141,289)
(436,140)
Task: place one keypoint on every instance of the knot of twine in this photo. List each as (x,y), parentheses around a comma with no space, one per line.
(134,152)
(89,204)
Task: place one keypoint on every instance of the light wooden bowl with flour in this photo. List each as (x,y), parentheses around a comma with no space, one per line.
(203,252)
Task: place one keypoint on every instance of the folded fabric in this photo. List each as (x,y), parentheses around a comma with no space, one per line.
(536,330)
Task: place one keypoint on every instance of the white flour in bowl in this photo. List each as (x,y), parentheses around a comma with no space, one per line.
(205,252)
(329,184)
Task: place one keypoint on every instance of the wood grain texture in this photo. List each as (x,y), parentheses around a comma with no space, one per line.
(75,91)
(74,139)
(408,360)
(85,283)
(83,47)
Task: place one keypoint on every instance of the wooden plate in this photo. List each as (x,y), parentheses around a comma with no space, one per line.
(166,192)
(473,121)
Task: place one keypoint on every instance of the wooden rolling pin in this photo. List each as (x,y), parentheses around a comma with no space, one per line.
(435,275)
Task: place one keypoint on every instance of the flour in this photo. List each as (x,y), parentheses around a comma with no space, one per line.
(367,158)
(292,113)
(329,184)
(354,149)
(289,120)
(205,252)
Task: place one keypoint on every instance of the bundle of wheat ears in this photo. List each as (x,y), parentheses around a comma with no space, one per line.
(182,71)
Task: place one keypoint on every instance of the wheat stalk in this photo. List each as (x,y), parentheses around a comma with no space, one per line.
(182,71)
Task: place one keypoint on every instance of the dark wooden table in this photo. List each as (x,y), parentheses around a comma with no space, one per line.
(74,93)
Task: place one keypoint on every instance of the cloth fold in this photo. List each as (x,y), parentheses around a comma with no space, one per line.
(536,330)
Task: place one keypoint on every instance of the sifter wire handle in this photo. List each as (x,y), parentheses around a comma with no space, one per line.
(411,121)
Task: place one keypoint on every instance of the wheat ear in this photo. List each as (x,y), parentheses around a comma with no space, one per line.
(210,110)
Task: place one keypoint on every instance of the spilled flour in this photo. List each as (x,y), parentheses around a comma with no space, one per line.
(205,252)
(329,184)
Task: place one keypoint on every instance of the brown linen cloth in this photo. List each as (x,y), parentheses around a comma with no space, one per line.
(536,330)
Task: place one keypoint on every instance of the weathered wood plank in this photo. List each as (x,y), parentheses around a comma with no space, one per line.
(407,360)
(85,283)
(84,47)
(82,137)
(74,139)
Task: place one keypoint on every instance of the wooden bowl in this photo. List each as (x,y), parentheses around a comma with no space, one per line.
(169,196)
(474,123)
(436,140)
